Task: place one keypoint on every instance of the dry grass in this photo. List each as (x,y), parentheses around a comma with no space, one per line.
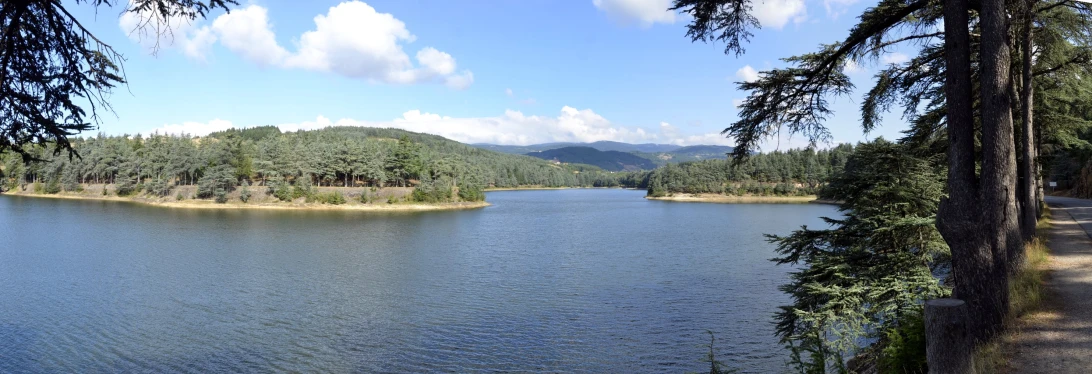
(1025,296)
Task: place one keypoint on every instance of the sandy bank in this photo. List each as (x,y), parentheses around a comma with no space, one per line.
(234,205)
(732,199)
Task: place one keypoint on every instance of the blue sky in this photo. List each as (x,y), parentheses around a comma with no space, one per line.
(508,72)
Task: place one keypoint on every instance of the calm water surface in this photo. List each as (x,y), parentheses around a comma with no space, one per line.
(546,281)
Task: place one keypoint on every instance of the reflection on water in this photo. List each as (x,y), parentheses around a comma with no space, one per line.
(571,280)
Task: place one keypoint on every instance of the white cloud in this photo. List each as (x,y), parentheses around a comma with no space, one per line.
(249,33)
(352,39)
(852,67)
(194,128)
(460,81)
(514,127)
(894,58)
(644,12)
(154,32)
(776,13)
(508,91)
(836,8)
(747,74)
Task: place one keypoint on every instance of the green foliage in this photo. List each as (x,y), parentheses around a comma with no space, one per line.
(279,188)
(126,186)
(219,177)
(430,191)
(866,276)
(221,196)
(179,196)
(159,187)
(52,187)
(790,173)
(303,188)
(244,192)
(468,192)
(332,198)
(904,346)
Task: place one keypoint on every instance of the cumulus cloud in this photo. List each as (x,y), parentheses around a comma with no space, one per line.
(777,13)
(352,39)
(249,33)
(512,127)
(836,8)
(155,32)
(747,74)
(894,58)
(643,12)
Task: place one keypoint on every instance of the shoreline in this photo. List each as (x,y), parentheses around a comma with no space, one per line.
(746,199)
(209,204)
(546,188)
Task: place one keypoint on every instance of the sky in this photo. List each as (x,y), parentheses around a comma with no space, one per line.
(503,72)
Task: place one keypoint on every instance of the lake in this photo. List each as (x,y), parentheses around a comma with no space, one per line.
(542,281)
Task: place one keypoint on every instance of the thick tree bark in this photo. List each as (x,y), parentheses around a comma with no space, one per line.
(958,217)
(1000,217)
(948,345)
(1029,206)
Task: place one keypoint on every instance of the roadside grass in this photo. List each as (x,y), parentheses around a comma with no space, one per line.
(1025,296)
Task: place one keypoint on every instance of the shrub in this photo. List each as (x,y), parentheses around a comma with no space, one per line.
(244,192)
(303,188)
(126,186)
(334,198)
(221,196)
(179,196)
(904,351)
(159,187)
(52,187)
(471,193)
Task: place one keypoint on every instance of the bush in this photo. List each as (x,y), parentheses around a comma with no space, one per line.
(126,187)
(471,193)
(244,192)
(179,196)
(37,187)
(904,351)
(303,188)
(333,198)
(53,187)
(159,187)
(221,196)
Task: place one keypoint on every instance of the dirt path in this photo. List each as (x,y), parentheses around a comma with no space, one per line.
(1058,338)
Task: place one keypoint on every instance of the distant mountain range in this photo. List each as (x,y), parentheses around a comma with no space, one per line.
(600,145)
(615,156)
(607,160)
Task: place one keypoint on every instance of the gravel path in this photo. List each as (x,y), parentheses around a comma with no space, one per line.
(1058,338)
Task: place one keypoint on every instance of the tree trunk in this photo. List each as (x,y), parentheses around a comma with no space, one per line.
(999,214)
(949,348)
(958,216)
(1029,207)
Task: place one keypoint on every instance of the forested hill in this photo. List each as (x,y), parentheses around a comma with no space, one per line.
(607,160)
(793,172)
(600,145)
(337,156)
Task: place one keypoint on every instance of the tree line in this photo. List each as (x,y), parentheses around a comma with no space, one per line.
(334,157)
(790,173)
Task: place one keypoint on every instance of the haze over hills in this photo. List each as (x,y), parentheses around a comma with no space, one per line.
(616,156)
(607,160)
(600,145)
